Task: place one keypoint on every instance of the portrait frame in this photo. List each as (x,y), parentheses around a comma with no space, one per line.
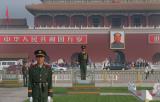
(112,44)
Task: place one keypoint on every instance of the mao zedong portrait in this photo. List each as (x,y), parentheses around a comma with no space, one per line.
(117,41)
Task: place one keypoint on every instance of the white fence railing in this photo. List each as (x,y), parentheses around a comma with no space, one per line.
(97,76)
(103,75)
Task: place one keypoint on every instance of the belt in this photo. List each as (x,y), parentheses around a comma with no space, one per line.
(40,84)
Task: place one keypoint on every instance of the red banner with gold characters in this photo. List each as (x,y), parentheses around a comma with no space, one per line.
(43,39)
(154,38)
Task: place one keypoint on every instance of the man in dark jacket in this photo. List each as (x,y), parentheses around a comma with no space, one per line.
(83,60)
(25,74)
(40,79)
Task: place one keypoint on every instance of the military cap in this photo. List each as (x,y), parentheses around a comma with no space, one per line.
(83,46)
(40,53)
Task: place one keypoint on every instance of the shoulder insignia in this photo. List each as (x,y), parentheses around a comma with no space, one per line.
(33,66)
(47,66)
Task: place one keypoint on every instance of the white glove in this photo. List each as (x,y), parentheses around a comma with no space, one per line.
(30,99)
(49,99)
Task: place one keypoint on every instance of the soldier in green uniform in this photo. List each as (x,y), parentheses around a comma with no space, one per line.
(25,74)
(40,79)
(83,60)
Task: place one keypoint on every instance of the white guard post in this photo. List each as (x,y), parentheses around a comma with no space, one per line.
(156,89)
(132,87)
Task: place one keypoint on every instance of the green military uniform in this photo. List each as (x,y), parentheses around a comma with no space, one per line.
(83,60)
(25,75)
(40,82)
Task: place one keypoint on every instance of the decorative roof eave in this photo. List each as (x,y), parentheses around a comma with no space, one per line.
(92,7)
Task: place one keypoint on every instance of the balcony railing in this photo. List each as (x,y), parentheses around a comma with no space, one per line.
(105,27)
(107,1)
(83,27)
(81,30)
(75,27)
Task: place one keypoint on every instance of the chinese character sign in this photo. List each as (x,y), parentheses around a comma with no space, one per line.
(43,39)
(154,38)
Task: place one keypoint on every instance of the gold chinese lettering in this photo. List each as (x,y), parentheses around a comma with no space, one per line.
(6,39)
(34,39)
(60,39)
(16,39)
(25,39)
(52,39)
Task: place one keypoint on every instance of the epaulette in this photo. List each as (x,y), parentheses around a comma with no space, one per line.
(33,65)
(47,66)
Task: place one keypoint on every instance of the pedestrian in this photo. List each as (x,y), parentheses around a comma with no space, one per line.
(25,74)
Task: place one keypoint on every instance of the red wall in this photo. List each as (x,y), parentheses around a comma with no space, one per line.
(98,48)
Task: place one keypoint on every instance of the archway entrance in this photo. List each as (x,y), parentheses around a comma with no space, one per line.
(120,57)
(156,57)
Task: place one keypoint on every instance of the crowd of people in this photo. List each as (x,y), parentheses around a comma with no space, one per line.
(137,64)
(140,63)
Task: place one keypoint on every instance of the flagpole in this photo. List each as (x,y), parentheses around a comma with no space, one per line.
(7,16)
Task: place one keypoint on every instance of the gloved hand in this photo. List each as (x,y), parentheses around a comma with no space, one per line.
(50,99)
(30,99)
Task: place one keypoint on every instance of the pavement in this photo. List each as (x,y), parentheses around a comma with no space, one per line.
(119,94)
(13,94)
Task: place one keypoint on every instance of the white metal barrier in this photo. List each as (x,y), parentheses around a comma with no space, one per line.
(106,78)
(97,76)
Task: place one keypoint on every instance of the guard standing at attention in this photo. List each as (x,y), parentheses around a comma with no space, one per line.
(40,79)
(83,61)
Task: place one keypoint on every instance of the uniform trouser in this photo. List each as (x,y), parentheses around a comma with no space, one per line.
(25,79)
(83,68)
(40,93)
(39,99)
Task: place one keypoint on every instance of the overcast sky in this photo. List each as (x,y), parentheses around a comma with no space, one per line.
(17,9)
